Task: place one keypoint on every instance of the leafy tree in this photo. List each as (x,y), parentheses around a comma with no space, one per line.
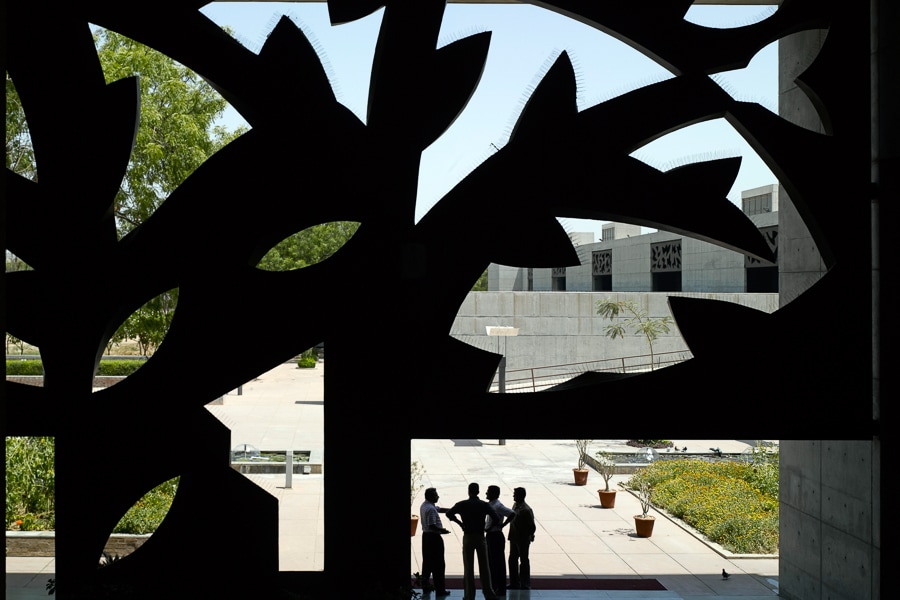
(15,342)
(19,153)
(148,324)
(14,263)
(308,247)
(177,133)
(639,321)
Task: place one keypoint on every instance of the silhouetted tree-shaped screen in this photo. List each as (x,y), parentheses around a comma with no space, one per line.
(308,160)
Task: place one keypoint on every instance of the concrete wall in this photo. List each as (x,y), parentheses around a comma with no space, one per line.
(800,262)
(830,520)
(563,328)
(829,505)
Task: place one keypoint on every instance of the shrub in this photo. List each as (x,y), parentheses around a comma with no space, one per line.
(31,491)
(650,443)
(148,512)
(308,359)
(734,504)
(30,483)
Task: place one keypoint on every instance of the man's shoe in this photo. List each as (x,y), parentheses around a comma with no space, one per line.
(442,593)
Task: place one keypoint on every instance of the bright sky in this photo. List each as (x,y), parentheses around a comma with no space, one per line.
(524,42)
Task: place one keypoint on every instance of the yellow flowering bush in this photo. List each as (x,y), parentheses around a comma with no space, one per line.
(733,503)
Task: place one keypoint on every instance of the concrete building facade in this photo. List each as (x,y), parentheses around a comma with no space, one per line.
(626,260)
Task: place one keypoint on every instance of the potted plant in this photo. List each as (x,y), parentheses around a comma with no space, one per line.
(643,523)
(581,472)
(416,473)
(606,464)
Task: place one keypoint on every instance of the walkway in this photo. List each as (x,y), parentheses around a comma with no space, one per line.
(575,538)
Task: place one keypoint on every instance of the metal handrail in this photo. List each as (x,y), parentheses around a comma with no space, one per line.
(533,379)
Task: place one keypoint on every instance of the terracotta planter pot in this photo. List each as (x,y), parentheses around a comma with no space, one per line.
(607,498)
(413,524)
(644,525)
(580,476)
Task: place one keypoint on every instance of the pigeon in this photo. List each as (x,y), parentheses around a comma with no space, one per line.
(725,574)
(676,449)
(716,451)
(684,449)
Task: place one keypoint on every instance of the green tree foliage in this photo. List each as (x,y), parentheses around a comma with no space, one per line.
(482,284)
(14,263)
(639,321)
(177,131)
(31,491)
(19,153)
(15,342)
(148,324)
(308,247)
(176,134)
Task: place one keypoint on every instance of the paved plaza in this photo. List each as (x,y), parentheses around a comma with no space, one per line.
(575,538)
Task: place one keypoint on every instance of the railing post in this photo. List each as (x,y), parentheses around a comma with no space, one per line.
(288,468)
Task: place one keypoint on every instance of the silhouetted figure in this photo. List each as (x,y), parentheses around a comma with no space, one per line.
(473,512)
(432,543)
(521,534)
(725,574)
(495,541)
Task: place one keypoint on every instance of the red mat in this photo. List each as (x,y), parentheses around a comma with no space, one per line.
(573,583)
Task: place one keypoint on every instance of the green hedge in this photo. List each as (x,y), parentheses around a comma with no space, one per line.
(24,367)
(119,367)
(107,367)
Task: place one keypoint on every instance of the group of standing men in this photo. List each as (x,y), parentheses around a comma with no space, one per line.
(482,523)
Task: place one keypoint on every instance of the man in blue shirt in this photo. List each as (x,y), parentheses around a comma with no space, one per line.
(473,512)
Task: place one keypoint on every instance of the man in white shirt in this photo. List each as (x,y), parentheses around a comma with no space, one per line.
(496,542)
(432,543)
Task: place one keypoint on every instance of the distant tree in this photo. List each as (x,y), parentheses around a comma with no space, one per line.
(14,263)
(15,342)
(19,153)
(639,321)
(308,247)
(482,284)
(148,324)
